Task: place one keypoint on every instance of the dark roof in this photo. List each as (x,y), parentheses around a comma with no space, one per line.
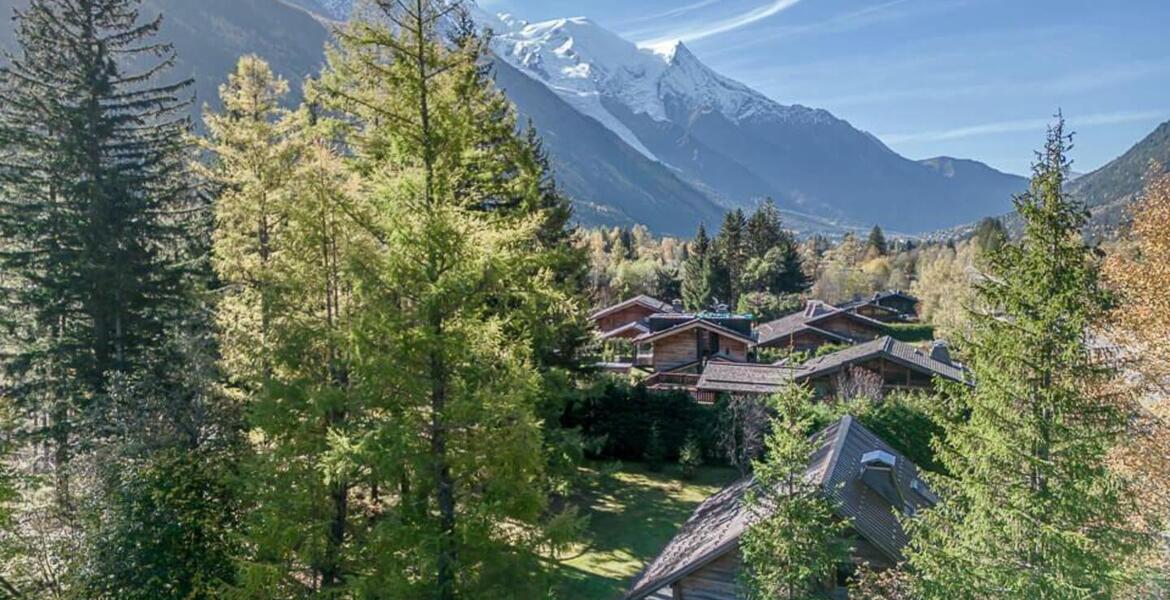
(888,348)
(877,298)
(836,466)
(746,378)
(769,379)
(814,312)
(649,302)
(635,325)
(690,324)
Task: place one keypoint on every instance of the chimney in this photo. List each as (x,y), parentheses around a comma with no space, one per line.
(878,471)
(941,351)
(678,305)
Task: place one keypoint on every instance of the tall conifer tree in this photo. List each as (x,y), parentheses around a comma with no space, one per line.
(98,221)
(1033,510)
(420,430)
(698,273)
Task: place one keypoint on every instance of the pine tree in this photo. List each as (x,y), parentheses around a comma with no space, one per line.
(1033,510)
(876,245)
(731,252)
(795,542)
(101,247)
(698,273)
(93,187)
(764,230)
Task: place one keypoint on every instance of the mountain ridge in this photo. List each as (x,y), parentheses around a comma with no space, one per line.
(669,143)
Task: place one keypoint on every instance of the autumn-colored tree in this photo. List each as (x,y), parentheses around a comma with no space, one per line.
(1140,272)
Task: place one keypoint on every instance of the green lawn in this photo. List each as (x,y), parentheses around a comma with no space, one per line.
(633,513)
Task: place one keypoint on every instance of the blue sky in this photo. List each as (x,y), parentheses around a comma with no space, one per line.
(968,78)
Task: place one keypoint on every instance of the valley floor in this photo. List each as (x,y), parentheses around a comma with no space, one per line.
(633,514)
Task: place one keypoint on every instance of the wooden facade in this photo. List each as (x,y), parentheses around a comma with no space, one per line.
(695,345)
(623,317)
(845,325)
(894,377)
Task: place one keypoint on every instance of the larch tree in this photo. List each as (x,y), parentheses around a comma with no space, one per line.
(795,542)
(448,455)
(1139,271)
(1032,510)
(97,216)
(291,244)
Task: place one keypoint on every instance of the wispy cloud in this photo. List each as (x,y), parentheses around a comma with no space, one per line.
(1012,126)
(674,12)
(698,31)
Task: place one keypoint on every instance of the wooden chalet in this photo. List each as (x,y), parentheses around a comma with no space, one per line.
(817,325)
(900,366)
(888,307)
(683,344)
(627,319)
(869,483)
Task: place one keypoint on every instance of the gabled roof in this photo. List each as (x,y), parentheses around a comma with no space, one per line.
(691,324)
(769,379)
(877,298)
(746,378)
(637,326)
(649,302)
(836,466)
(888,348)
(806,321)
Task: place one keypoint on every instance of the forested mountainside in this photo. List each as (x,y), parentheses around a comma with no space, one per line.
(210,36)
(1110,191)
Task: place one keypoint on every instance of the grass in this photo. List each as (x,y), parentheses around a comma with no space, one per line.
(633,514)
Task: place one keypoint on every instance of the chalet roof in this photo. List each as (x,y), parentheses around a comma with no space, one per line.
(836,466)
(877,298)
(769,379)
(746,378)
(636,326)
(890,349)
(649,302)
(698,321)
(814,312)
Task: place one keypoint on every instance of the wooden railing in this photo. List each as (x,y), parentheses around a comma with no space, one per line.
(672,380)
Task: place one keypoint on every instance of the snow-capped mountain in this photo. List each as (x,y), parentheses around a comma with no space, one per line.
(635,135)
(731,142)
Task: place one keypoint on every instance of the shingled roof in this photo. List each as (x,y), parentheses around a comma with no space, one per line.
(649,302)
(769,379)
(814,312)
(836,466)
(890,349)
(746,378)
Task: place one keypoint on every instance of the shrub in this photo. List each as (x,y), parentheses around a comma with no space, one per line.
(690,456)
(911,333)
(616,418)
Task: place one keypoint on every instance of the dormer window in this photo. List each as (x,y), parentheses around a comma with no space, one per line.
(879,472)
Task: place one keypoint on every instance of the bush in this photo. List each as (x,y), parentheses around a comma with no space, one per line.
(690,456)
(617,419)
(911,332)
